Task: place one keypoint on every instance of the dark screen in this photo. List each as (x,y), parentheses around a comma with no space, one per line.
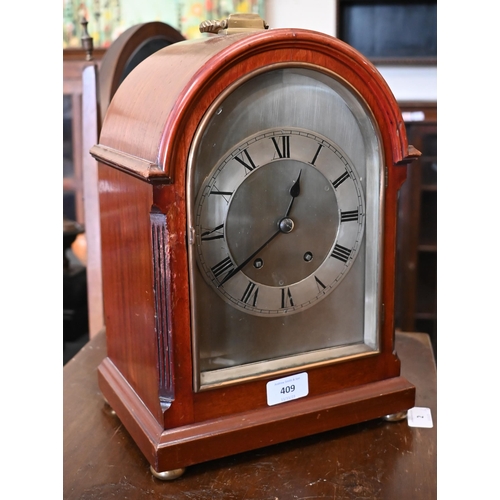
(390,29)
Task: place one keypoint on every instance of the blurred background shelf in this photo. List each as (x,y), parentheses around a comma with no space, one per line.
(416,288)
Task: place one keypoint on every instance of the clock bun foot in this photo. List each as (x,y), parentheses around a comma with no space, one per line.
(167,475)
(396,417)
(108,408)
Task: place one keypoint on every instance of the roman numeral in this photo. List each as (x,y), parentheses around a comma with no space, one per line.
(286,298)
(225,194)
(317,154)
(250,294)
(207,235)
(250,165)
(340,180)
(222,267)
(349,215)
(341,253)
(320,284)
(283,150)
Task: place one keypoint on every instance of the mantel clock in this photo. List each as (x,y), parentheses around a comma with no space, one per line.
(248,188)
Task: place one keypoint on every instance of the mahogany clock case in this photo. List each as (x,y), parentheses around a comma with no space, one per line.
(143,153)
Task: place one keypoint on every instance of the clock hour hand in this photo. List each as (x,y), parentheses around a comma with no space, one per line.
(283,227)
(294,192)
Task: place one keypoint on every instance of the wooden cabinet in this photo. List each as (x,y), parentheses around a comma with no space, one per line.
(416,287)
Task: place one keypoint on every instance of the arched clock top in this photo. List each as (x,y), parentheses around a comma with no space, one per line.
(154,115)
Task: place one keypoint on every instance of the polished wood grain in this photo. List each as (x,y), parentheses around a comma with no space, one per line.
(143,150)
(375,459)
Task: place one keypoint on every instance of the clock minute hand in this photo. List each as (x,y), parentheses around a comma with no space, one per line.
(247,260)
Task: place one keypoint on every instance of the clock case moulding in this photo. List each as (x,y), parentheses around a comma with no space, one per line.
(147,376)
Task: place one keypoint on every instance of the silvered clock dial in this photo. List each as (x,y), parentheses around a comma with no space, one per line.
(285,173)
(279,221)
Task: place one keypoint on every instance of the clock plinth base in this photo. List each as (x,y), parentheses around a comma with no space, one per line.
(177,448)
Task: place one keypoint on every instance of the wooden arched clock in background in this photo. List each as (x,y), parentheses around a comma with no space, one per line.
(248,189)
(98,87)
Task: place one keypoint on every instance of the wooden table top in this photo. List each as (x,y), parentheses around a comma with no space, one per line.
(372,460)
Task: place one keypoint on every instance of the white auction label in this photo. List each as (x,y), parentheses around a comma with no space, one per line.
(285,389)
(420,417)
